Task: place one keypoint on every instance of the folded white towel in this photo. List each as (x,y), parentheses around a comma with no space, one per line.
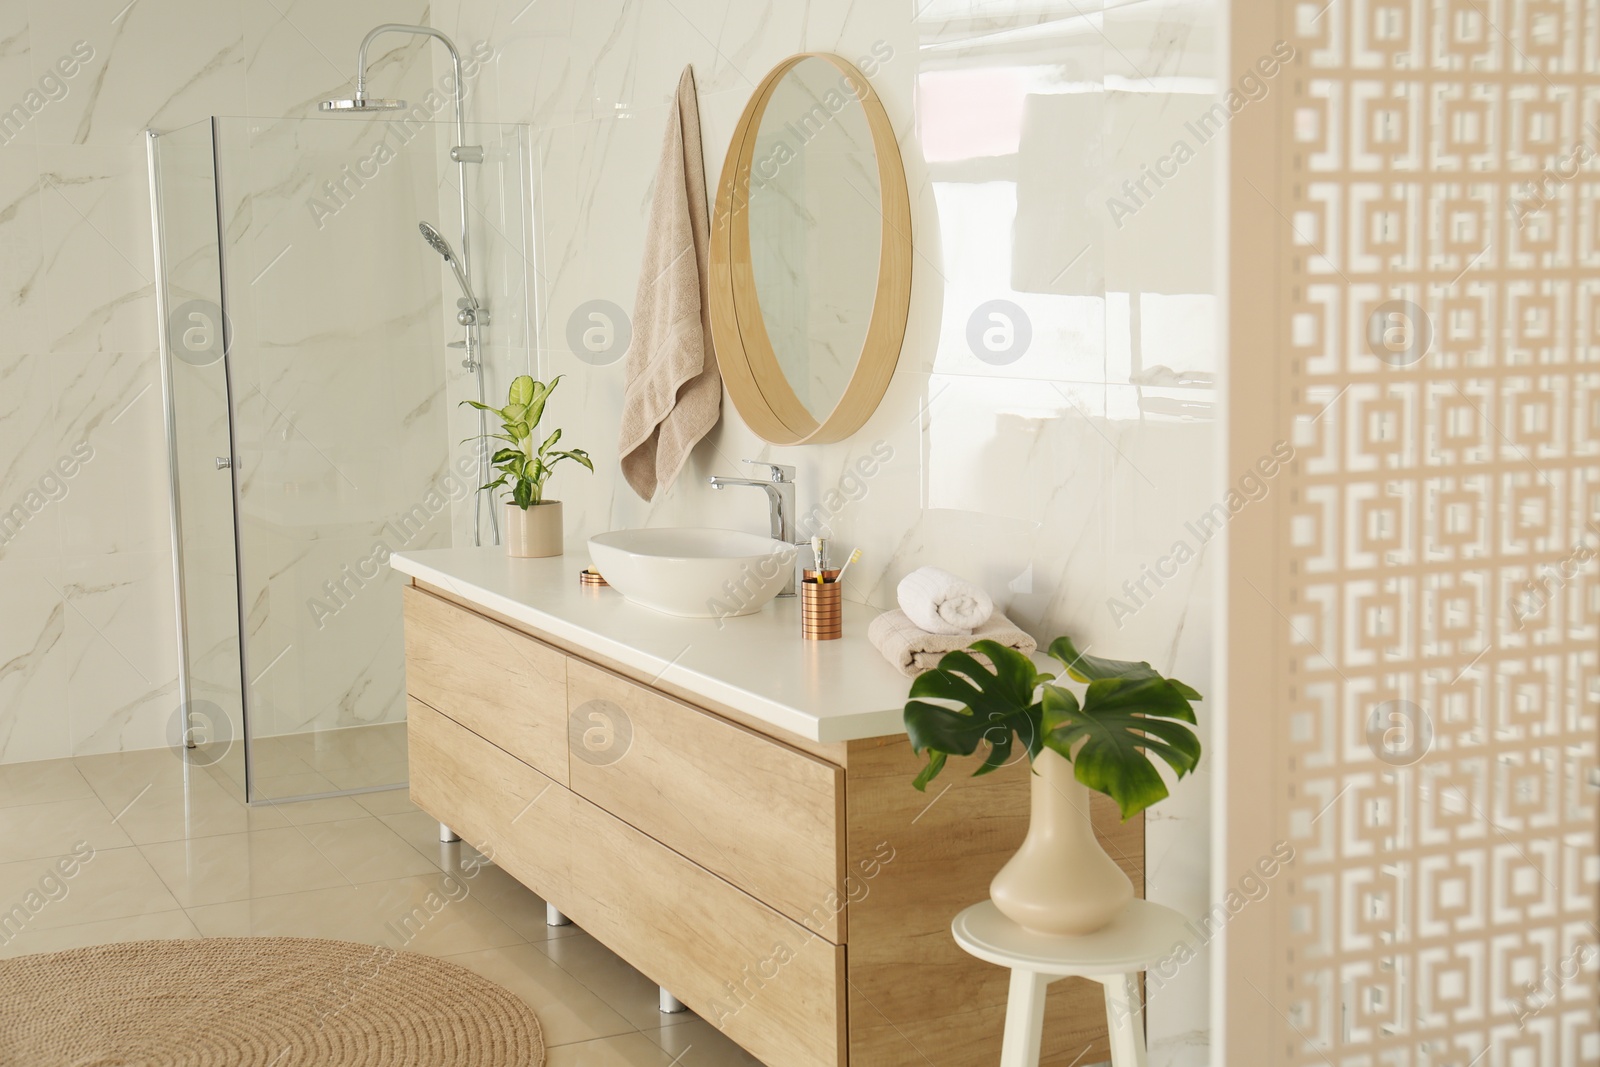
(940,603)
(673,392)
(914,650)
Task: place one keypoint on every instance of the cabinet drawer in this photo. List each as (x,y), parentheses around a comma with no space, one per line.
(500,684)
(766,982)
(754,811)
(499,805)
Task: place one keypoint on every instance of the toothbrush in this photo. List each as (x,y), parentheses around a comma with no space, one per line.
(854,555)
(819,551)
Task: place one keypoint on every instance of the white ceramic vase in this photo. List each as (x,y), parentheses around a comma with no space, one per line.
(535,531)
(1060,882)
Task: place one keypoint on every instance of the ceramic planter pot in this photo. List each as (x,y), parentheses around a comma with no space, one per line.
(1061,881)
(535,531)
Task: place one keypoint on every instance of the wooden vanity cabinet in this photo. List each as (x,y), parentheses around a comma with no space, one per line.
(797,895)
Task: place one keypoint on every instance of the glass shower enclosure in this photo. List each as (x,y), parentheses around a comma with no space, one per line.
(310,386)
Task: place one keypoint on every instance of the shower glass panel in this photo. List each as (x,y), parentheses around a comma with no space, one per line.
(183,191)
(338,393)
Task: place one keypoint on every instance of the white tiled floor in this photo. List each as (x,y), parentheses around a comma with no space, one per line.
(177,853)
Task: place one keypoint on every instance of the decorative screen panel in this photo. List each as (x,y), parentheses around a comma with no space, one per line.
(1432,587)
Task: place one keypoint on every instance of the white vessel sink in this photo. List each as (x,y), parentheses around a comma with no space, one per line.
(694,572)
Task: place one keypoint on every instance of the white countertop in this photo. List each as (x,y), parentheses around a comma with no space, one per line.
(756,664)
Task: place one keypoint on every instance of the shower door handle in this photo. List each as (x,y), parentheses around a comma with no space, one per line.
(224,463)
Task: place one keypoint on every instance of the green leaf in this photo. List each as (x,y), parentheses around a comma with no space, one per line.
(577,454)
(996,707)
(1111,738)
(522,494)
(1154,696)
(521,392)
(1084,668)
(548,441)
(536,402)
(1057,706)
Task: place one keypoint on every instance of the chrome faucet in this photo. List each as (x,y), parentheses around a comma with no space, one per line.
(780,501)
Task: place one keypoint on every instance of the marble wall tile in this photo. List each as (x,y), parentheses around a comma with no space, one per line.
(151,65)
(120,636)
(16,78)
(30,447)
(22,316)
(90,644)
(113,403)
(34,723)
(97,282)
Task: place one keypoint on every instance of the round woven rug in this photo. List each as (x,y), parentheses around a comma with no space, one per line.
(254,1002)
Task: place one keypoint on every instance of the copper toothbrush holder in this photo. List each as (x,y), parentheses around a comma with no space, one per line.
(821,606)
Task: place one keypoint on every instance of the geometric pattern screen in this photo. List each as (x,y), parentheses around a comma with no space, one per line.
(1441,378)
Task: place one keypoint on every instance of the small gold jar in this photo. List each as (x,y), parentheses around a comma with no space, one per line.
(821,606)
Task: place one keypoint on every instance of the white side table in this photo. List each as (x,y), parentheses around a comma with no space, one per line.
(1140,936)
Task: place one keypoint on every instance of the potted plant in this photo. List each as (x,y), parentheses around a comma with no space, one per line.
(533,524)
(1060,881)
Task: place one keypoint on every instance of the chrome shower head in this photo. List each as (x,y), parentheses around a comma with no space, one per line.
(437,242)
(359,103)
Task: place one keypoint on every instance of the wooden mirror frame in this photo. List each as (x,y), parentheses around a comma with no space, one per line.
(756,382)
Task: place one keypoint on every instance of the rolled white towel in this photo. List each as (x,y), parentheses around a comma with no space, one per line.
(940,603)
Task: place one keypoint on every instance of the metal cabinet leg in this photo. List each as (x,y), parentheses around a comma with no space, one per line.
(1124,1020)
(447,836)
(670,1005)
(1024,1019)
(553,916)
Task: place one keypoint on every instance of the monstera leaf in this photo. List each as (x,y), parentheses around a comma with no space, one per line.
(994,706)
(1089,668)
(1117,742)
(1130,715)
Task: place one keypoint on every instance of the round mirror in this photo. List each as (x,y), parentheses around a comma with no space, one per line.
(810,254)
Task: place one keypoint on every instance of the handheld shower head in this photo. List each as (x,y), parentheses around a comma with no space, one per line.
(437,242)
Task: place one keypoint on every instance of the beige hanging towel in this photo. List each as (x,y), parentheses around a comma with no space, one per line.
(673,395)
